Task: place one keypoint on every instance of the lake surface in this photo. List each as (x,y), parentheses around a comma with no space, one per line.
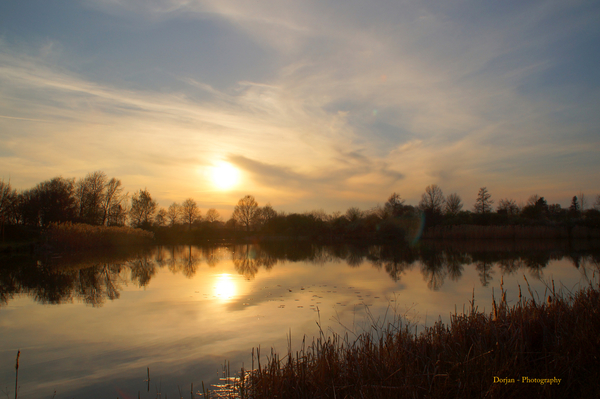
(90,326)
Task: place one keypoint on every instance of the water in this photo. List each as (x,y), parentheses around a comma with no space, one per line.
(90,326)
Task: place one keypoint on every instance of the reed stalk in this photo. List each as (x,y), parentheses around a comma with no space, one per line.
(466,358)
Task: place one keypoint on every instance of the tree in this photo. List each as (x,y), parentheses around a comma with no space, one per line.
(246,212)
(537,208)
(189,211)
(394,206)
(267,213)
(212,215)
(532,200)
(117,214)
(432,200)
(173,213)
(112,197)
(52,201)
(89,192)
(142,208)
(582,201)
(8,199)
(483,203)
(574,208)
(161,217)
(353,214)
(453,204)
(507,207)
(597,203)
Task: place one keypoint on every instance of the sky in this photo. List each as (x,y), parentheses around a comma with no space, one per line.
(304,104)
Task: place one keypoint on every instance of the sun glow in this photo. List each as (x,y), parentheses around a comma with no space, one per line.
(225,287)
(224,176)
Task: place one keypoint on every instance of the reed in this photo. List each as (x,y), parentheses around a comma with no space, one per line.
(73,236)
(477,355)
(467,231)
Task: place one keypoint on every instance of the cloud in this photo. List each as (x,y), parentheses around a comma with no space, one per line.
(358,100)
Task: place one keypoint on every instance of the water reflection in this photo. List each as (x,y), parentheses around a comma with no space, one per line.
(95,279)
(182,310)
(225,287)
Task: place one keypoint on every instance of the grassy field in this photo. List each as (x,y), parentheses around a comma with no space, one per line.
(549,349)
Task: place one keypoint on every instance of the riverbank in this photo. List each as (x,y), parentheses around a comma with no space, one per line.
(547,349)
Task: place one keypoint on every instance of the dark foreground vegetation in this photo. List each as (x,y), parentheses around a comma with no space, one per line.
(549,349)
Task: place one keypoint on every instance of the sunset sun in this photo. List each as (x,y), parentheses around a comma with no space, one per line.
(224,176)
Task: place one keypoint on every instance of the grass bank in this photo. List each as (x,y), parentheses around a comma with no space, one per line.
(549,349)
(76,236)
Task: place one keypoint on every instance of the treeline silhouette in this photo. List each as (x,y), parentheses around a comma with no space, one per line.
(93,278)
(99,200)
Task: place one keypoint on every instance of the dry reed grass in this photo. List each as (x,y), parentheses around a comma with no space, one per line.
(75,236)
(558,338)
(498,232)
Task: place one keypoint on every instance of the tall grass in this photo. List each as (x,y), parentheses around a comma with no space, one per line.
(477,355)
(74,236)
(501,232)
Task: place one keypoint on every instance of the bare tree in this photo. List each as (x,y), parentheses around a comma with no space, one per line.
(8,198)
(212,215)
(510,207)
(142,208)
(173,213)
(597,203)
(432,199)
(317,214)
(582,201)
(117,214)
(532,200)
(89,192)
(353,214)
(112,196)
(393,207)
(246,211)
(161,217)
(190,211)
(453,204)
(483,203)
(267,213)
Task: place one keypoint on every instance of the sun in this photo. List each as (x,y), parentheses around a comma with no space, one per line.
(224,176)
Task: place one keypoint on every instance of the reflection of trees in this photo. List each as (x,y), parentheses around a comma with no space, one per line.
(142,270)
(185,259)
(432,268)
(395,260)
(190,262)
(247,260)
(510,266)
(455,262)
(212,255)
(485,271)
(94,279)
(355,255)
(88,286)
(48,284)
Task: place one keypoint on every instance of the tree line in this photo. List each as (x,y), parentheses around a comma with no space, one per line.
(97,199)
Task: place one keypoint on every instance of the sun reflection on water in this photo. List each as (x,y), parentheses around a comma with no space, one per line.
(225,287)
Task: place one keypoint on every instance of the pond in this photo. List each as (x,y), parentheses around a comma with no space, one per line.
(98,325)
